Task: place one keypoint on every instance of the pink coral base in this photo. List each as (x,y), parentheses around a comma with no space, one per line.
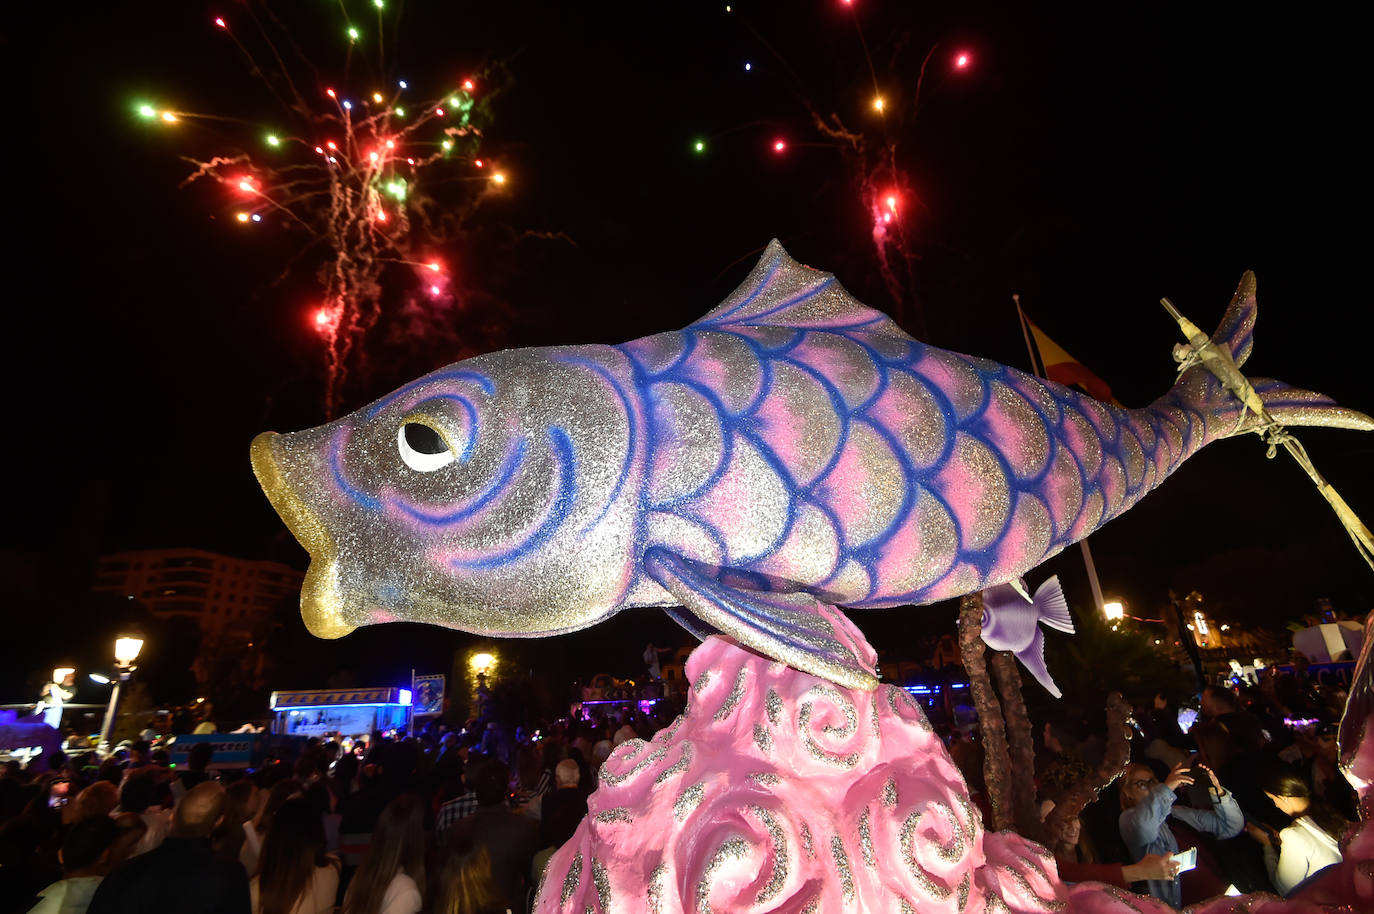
(776,791)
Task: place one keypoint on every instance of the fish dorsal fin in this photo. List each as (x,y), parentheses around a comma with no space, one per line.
(779,292)
(1051,606)
(794,628)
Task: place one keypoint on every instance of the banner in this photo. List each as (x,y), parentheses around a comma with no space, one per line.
(1063,368)
(429,694)
(349,720)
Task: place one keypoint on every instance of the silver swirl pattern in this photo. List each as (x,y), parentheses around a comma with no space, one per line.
(792,799)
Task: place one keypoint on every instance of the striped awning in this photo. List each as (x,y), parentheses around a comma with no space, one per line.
(325,698)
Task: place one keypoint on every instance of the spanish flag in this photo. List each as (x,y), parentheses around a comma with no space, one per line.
(1058,366)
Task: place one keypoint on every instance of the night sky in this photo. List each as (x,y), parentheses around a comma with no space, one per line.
(1091,160)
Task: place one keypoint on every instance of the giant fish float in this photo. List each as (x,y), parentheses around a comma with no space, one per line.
(791,452)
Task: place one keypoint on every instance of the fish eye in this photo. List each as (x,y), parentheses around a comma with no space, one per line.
(422,448)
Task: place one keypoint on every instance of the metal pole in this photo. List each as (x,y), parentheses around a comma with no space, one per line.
(112,711)
(1038,369)
(1092,577)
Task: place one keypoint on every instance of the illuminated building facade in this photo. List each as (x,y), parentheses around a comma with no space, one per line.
(222,593)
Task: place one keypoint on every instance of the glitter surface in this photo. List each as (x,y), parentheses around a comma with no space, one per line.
(790,452)
(731,700)
(619,814)
(684,759)
(909,857)
(829,732)
(747,834)
(842,867)
(656,880)
(608,774)
(778,851)
(773,706)
(866,839)
(687,801)
(890,793)
(572,880)
(603,885)
(734,849)
(953,851)
(1028,891)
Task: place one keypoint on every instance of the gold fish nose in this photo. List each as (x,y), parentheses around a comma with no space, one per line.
(321,601)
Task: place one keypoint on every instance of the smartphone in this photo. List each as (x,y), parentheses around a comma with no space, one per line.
(57,793)
(1200,794)
(1186,860)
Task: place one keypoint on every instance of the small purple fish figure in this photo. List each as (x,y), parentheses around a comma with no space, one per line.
(1011,622)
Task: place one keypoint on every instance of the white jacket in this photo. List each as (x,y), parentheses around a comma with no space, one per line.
(1305,849)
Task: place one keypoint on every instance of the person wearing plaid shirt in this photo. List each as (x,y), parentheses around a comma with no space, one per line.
(455,809)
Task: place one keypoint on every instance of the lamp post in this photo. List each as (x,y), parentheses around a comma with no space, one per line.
(482,663)
(1115,612)
(126,650)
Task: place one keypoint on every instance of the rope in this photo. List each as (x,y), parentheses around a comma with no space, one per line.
(1200,350)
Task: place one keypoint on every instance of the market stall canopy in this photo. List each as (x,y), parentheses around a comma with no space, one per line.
(1330,641)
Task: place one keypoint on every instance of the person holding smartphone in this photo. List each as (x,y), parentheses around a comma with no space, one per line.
(1147,804)
(1310,844)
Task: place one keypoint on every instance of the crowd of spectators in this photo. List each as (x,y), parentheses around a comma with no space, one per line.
(1251,788)
(466,822)
(428,823)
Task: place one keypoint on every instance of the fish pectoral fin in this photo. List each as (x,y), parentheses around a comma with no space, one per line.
(684,617)
(795,628)
(1032,657)
(1051,606)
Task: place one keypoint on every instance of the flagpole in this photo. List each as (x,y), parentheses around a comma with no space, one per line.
(1038,370)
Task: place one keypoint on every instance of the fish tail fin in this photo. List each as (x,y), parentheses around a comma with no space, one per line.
(1236,332)
(1051,606)
(1219,398)
(1290,405)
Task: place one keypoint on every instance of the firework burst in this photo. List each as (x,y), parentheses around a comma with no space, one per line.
(351,165)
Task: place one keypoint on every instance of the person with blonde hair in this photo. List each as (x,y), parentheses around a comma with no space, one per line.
(99,799)
(465,884)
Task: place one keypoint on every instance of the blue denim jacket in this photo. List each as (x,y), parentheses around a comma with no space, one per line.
(1144,830)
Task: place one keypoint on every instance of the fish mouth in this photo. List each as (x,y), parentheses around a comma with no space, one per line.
(321,596)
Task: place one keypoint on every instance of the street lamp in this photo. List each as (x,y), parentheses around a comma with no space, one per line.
(126,648)
(1114,611)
